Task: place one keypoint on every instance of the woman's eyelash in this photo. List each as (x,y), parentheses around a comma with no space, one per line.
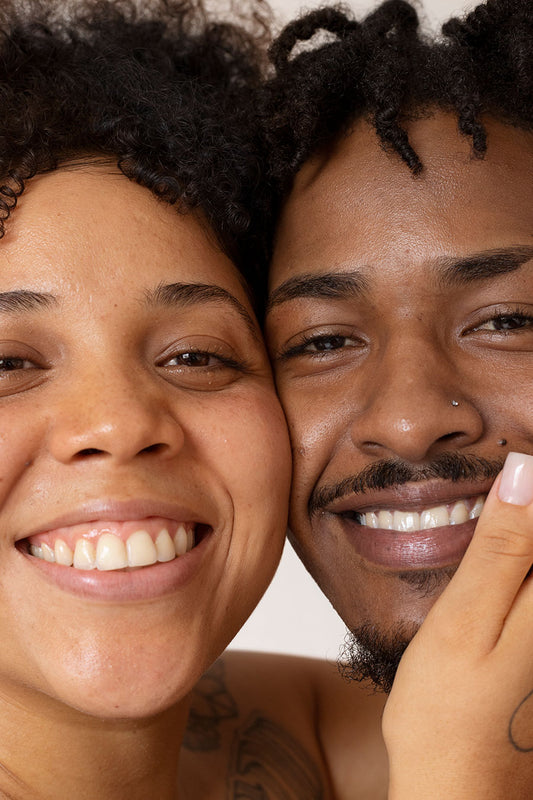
(222,360)
(13,363)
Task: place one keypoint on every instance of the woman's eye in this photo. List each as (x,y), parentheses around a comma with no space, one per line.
(18,374)
(192,359)
(10,363)
(202,370)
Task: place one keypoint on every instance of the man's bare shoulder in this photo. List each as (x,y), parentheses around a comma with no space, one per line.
(270,726)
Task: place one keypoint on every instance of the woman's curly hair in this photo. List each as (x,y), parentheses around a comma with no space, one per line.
(386,70)
(157,86)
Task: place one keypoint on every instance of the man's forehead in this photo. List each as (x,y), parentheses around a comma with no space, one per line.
(357,203)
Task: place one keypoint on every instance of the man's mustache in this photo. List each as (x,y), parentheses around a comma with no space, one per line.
(453,467)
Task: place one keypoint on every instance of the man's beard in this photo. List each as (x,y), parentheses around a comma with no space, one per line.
(368,654)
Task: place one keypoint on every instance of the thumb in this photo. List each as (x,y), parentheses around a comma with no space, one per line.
(500,555)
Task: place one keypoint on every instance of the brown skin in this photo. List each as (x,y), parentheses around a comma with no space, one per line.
(102,406)
(311,734)
(411,344)
(279,722)
(119,412)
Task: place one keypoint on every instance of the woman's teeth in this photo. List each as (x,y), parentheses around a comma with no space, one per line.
(111,553)
(411,521)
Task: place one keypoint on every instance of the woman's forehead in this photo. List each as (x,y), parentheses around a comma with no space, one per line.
(92,222)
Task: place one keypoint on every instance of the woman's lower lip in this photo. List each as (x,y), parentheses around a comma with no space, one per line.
(126,585)
(431,548)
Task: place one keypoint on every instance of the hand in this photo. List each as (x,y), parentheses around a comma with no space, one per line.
(459,721)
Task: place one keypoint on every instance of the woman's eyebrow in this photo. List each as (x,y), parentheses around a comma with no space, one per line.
(187,294)
(24,300)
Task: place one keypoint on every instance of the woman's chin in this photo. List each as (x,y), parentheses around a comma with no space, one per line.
(120,678)
(122,693)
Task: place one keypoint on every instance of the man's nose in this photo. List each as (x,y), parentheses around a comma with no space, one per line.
(118,418)
(415,405)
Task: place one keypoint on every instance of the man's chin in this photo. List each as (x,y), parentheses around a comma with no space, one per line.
(368,654)
(428,582)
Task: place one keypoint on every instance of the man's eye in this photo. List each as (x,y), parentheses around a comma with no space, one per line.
(321,345)
(325,343)
(506,322)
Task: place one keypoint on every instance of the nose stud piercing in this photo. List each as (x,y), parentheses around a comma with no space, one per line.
(502,442)
(455,403)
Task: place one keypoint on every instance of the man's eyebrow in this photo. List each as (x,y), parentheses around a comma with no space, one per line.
(480,266)
(328,285)
(187,294)
(23,300)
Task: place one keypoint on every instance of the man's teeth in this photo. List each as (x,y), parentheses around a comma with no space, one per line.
(112,553)
(410,521)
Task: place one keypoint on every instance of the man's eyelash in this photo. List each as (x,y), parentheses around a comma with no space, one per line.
(305,341)
(522,314)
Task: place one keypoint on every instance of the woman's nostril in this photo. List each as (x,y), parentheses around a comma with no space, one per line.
(153,448)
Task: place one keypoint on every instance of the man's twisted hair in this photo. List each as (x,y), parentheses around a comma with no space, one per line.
(386,70)
(158,87)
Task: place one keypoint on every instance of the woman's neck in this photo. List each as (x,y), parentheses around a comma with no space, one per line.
(48,750)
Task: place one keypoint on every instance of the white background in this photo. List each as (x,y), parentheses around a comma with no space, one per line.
(434,10)
(294,616)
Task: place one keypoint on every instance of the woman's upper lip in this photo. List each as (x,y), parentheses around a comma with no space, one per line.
(410,496)
(112,510)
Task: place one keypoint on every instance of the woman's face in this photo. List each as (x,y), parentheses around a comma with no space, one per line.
(137,414)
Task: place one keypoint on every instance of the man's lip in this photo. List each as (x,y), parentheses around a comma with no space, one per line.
(112,510)
(427,549)
(410,496)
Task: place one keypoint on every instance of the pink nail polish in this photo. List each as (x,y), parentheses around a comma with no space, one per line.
(516,485)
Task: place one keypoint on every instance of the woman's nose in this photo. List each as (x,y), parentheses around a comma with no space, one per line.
(118,418)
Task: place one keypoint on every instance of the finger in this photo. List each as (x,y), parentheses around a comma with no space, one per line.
(499,557)
(517,631)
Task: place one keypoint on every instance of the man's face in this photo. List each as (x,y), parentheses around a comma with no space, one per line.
(401,329)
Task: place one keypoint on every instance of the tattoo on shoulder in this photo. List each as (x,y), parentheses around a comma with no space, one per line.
(266,762)
(269,764)
(520,725)
(211,704)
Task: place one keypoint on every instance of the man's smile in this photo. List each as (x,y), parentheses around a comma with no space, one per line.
(434,517)
(412,526)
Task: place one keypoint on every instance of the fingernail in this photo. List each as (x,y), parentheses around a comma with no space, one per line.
(516,485)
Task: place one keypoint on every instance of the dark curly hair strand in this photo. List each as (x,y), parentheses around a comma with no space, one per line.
(386,70)
(159,87)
